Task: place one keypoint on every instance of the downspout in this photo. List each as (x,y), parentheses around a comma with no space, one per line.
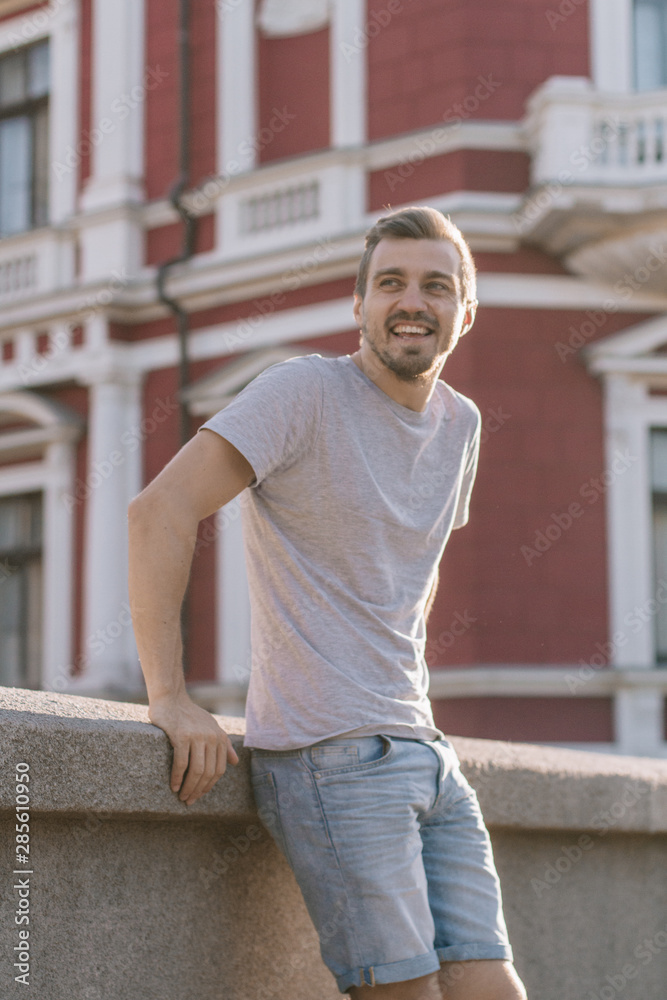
(188,220)
(189,223)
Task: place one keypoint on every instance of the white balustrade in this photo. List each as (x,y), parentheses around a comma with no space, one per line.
(579,136)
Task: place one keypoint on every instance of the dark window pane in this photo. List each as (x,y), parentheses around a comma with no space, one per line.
(38,70)
(650,44)
(15,175)
(660,543)
(20,590)
(13,88)
(11,641)
(20,523)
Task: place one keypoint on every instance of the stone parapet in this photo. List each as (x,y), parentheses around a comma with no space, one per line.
(135,896)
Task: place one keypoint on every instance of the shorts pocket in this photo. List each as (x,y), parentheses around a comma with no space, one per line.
(266,800)
(335,755)
(370,752)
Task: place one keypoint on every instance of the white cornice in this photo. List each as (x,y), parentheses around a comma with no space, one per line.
(554,291)
(379,155)
(541,681)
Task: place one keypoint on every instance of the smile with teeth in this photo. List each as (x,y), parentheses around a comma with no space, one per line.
(409,331)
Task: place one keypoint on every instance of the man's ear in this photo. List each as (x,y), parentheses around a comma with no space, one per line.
(469,319)
(357,309)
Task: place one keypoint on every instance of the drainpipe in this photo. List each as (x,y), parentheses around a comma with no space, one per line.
(188,220)
(189,223)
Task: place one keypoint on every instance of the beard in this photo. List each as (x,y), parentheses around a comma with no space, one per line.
(411,365)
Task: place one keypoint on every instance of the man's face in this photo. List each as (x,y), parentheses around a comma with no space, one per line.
(413,312)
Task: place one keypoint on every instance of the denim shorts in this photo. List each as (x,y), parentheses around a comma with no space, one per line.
(387,843)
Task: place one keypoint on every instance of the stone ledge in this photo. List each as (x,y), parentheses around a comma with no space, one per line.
(90,755)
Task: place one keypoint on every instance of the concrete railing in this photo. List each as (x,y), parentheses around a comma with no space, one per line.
(130,895)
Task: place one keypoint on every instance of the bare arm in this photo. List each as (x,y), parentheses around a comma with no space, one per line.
(206,473)
(431,597)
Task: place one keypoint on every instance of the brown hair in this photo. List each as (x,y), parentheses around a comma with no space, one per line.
(418,224)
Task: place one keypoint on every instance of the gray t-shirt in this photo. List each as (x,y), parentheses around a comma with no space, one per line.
(353,501)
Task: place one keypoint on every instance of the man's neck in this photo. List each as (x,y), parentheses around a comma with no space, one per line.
(414,394)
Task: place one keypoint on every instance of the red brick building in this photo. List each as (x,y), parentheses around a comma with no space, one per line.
(539,126)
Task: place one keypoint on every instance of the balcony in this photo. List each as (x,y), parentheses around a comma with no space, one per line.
(35,263)
(598,197)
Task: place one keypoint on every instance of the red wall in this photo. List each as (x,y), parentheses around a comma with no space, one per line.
(161,109)
(293,80)
(85,85)
(541,720)
(430,56)
(418,177)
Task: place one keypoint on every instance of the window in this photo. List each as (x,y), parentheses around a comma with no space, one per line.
(650,17)
(20,590)
(24,127)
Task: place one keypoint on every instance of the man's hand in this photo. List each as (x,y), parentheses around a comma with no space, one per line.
(201,747)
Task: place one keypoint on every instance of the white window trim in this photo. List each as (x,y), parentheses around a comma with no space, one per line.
(629,368)
(348,110)
(60,24)
(612,45)
(53,476)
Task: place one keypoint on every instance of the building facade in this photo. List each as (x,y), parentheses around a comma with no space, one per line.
(212,168)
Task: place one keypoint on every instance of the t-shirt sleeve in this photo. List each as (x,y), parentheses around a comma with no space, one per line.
(469,473)
(275,418)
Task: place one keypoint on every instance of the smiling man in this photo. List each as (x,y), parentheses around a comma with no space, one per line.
(359,467)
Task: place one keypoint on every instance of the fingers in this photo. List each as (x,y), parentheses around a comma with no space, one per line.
(181,760)
(206,763)
(201,747)
(232,755)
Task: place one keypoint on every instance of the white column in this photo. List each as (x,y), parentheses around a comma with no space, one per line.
(111,237)
(612,56)
(348,61)
(637,713)
(58,563)
(63,117)
(232,598)
(236,86)
(638,722)
(628,519)
(113,478)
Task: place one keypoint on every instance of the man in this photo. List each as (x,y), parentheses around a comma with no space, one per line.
(359,468)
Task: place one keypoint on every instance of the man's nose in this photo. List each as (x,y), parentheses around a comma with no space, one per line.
(412,299)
